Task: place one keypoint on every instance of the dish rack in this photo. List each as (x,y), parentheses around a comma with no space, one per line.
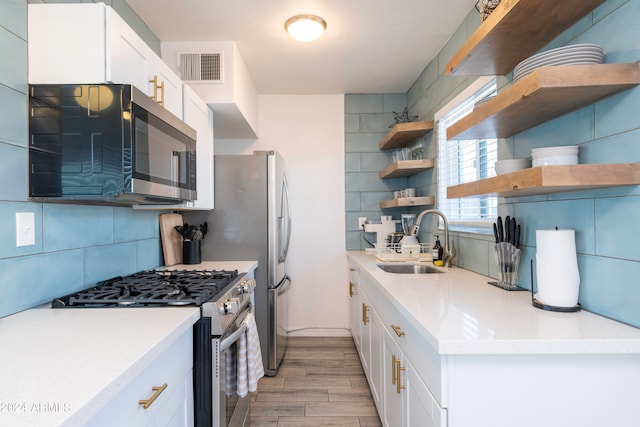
(392,252)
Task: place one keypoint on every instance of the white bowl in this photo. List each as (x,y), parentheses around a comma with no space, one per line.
(566,150)
(556,160)
(511,165)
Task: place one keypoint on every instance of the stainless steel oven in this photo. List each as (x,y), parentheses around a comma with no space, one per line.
(216,336)
(233,410)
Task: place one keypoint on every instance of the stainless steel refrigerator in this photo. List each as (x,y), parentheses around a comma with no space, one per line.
(251,220)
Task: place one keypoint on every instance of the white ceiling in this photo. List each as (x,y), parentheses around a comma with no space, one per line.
(370,46)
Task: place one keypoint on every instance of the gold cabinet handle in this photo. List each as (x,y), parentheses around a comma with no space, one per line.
(399,369)
(351,289)
(365,320)
(155,88)
(162,93)
(399,332)
(156,392)
(393,369)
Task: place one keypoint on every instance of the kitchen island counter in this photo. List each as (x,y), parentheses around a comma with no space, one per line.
(458,312)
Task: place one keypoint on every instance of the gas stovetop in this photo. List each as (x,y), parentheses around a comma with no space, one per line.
(152,288)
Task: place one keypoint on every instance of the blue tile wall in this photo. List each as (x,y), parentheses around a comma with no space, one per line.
(367,120)
(607,131)
(13,171)
(13,120)
(75,245)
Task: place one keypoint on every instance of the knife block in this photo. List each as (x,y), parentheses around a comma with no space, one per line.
(508,258)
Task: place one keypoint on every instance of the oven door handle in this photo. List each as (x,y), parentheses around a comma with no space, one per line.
(228,341)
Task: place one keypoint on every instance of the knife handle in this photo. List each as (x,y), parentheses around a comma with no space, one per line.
(495,232)
(507,229)
(500,230)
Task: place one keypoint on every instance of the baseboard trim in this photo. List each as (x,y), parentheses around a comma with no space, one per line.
(319,332)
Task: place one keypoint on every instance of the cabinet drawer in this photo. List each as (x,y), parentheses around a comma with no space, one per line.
(171,367)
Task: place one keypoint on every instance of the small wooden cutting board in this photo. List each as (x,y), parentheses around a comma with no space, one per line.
(171,239)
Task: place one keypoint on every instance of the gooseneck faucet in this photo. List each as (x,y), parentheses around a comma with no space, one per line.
(449,253)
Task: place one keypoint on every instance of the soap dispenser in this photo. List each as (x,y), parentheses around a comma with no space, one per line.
(437,250)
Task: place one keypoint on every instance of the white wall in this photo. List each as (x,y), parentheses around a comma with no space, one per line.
(308,130)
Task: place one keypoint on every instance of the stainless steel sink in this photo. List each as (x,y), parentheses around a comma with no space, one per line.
(408,268)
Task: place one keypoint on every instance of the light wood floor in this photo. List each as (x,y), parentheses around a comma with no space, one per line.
(320,383)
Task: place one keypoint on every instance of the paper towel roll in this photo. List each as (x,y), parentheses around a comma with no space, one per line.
(557,268)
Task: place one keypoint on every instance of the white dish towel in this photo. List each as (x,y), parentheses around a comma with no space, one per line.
(231,363)
(249,360)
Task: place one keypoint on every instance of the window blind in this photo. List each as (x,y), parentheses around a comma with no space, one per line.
(462,161)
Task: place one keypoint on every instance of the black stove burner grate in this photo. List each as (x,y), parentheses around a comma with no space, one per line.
(152,288)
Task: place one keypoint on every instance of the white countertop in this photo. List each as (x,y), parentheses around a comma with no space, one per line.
(76,360)
(459,313)
(241,266)
(59,367)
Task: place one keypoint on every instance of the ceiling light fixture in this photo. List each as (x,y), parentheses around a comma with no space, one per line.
(305,27)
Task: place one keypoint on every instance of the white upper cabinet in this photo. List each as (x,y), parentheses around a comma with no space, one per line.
(199,116)
(90,43)
(67,43)
(219,75)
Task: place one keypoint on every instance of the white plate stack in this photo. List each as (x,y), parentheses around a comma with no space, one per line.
(563,155)
(567,55)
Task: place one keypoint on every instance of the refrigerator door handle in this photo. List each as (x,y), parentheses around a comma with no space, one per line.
(284,286)
(285,232)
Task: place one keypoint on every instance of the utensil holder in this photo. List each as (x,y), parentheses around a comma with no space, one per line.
(508,258)
(191,251)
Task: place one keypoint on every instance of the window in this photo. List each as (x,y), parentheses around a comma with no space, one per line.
(462,161)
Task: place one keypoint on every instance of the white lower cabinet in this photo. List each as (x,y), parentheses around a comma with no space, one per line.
(396,363)
(366,331)
(394,398)
(421,386)
(375,371)
(407,400)
(354,301)
(165,387)
(422,407)
(371,341)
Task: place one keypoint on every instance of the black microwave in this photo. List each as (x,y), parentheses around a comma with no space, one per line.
(107,144)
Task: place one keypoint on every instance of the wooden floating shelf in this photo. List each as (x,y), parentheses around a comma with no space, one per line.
(551,179)
(545,94)
(403,134)
(514,31)
(406,202)
(406,168)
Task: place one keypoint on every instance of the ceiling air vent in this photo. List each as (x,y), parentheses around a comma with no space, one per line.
(200,66)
